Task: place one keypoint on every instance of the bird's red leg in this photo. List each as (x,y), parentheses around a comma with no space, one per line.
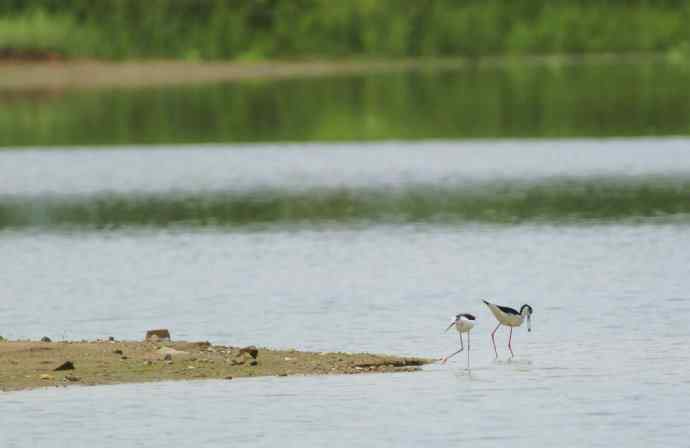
(468,350)
(446,358)
(509,339)
(493,333)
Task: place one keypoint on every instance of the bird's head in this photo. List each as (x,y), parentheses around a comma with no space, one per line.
(526,311)
(458,318)
(453,322)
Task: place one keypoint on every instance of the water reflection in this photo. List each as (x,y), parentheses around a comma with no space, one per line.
(553,200)
(441,182)
(512,100)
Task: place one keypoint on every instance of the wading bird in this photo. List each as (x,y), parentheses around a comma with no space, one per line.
(463,323)
(510,318)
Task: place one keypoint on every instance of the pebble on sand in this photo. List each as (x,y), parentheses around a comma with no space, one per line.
(67,365)
(251,350)
(169,352)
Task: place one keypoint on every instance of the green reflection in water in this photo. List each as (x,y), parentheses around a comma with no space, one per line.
(513,100)
(553,200)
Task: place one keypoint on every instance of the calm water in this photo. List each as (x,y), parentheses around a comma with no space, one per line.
(594,234)
(204,186)
(512,100)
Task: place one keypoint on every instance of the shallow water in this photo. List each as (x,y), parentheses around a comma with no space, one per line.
(606,362)
(518,404)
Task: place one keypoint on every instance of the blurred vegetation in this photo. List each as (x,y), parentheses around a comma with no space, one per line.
(260,29)
(505,101)
(553,200)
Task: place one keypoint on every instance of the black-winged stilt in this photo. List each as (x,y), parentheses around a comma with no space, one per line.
(510,318)
(463,324)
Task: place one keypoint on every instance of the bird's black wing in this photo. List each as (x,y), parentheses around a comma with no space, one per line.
(468,316)
(508,310)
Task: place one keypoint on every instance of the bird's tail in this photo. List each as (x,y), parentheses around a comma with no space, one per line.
(486,302)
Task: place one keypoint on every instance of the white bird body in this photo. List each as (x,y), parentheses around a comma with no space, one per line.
(463,323)
(504,316)
(509,317)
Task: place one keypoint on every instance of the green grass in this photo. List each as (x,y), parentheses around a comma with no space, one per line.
(38,31)
(255,30)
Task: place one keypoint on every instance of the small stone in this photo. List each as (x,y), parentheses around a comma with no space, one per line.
(253,363)
(251,350)
(167,357)
(282,374)
(67,365)
(191,367)
(72,378)
(171,351)
(228,377)
(46,339)
(161,334)
(45,376)
(168,362)
(124,358)
(118,352)
(148,362)
(111,339)
(287,358)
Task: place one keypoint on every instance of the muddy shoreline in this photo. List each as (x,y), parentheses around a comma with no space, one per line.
(26,365)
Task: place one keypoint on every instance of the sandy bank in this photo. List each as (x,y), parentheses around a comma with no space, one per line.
(86,74)
(31,365)
(95,74)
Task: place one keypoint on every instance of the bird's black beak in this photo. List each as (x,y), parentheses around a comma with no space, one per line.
(450,326)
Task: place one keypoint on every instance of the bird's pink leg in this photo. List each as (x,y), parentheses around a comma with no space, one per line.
(446,358)
(509,339)
(468,350)
(493,333)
